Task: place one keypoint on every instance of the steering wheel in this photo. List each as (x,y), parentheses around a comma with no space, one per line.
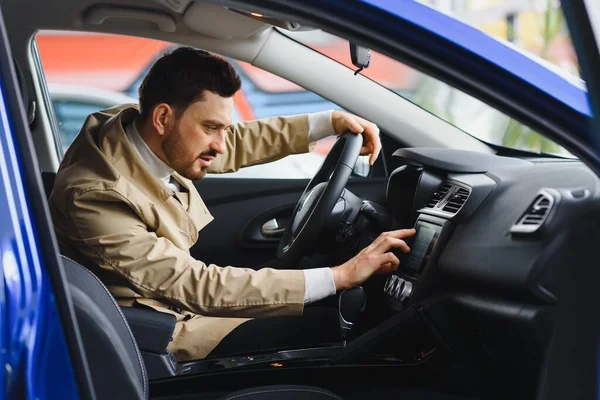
(319,199)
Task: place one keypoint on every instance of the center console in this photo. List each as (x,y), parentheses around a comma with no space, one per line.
(416,273)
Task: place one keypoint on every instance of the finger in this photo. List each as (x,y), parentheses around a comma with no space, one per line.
(386,269)
(353,125)
(400,233)
(376,150)
(372,140)
(381,238)
(389,258)
(390,242)
(367,150)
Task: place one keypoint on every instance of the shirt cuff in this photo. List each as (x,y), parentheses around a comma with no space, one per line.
(318,284)
(320,126)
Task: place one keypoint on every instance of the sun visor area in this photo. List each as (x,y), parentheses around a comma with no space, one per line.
(219,22)
(109,14)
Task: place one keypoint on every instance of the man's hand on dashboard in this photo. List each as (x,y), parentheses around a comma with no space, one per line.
(343,121)
(375,258)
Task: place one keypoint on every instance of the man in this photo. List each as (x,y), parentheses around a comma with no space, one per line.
(124,204)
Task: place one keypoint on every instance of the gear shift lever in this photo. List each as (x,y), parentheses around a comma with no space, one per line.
(352,302)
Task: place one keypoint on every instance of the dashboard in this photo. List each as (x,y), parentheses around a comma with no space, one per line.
(495,225)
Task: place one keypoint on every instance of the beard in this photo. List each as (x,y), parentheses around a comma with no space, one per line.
(181,158)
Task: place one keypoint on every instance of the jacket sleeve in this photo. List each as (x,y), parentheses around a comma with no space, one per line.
(106,230)
(261,141)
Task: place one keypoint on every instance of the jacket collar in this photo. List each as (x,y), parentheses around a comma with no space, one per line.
(156,166)
(113,143)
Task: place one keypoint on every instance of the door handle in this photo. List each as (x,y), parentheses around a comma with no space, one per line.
(271,228)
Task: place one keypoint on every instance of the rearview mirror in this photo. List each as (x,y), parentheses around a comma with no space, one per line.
(361,56)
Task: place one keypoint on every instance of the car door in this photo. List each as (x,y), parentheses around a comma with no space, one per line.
(41,353)
(572,363)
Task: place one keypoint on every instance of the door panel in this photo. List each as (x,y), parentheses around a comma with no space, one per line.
(242,206)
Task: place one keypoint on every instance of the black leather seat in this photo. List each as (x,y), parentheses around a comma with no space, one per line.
(113,356)
(48,182)
(115,361)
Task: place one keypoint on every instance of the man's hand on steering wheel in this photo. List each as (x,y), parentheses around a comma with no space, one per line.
(324,190)
(374,258)
(343,122)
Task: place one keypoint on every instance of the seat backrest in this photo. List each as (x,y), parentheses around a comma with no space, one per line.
(113,356)
(48,181)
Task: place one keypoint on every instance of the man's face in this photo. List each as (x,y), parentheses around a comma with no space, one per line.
(196,138)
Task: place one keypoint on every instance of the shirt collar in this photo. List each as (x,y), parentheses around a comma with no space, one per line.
(156,166)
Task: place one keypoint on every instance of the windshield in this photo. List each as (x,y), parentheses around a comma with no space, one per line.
(539,31)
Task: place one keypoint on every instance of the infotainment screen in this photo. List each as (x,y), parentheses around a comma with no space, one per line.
(421,246)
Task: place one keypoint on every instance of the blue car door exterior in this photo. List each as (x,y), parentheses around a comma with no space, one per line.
(34,358)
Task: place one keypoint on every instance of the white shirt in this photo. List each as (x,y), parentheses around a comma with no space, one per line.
(318,282)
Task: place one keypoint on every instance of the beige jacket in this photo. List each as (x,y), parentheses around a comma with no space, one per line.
(113,216)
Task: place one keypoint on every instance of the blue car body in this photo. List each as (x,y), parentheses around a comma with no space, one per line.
(34,353)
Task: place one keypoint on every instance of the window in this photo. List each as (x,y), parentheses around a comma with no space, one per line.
(90,72)
(73,103)
(538,30)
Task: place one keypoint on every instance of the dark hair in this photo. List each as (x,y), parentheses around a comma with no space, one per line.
(181,77)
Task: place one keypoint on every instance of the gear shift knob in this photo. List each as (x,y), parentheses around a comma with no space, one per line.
(352,302)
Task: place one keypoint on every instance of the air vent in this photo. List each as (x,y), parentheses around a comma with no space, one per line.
(456,201)
(535,215)
(448,199)
(438,195)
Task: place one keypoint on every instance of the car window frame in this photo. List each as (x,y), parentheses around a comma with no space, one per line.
(51,115)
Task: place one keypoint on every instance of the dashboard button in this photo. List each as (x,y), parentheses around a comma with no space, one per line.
(398,288)
(406,291)
(388,284)
(391,286)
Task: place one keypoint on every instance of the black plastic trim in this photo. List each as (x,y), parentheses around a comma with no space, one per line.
(454,160)
(159,365)
(573,353)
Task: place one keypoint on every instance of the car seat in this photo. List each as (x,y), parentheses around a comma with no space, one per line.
(115,361)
